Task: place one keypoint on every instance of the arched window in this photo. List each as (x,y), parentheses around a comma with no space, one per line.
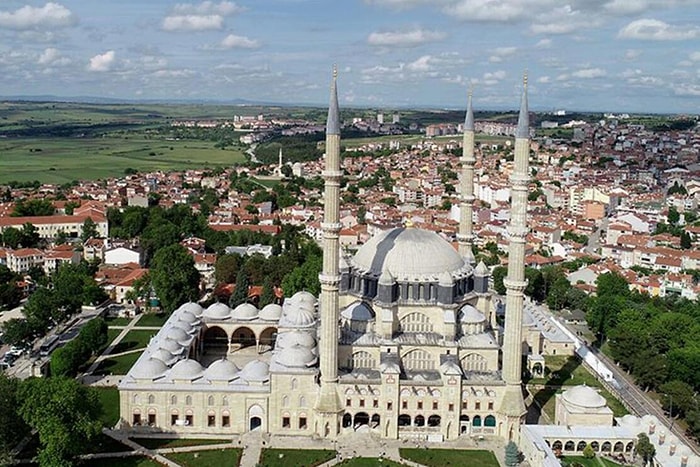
(136,398)
(490,420)
(294,384)
(404,420)
(173,400)
(606,447)
(434,420)
(569,446)
(224,401)
(151,399)
(285,401)
(595,446)
(476,421)
(418,360)
(415,322)
(581,446)
(361,359)
(302,401)
(210,400)
(474,362)
(419,420)
(188,400)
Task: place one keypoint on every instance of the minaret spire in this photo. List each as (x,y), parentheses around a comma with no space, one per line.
(513,406)
(328,407)
(465,237)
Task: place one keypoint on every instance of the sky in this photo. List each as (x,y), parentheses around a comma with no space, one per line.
(585,55)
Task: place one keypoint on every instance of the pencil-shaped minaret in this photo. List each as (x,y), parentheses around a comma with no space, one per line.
(465,237)
(328,407)
(513,405)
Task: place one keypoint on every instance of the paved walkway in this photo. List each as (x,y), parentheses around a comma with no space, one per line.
(113,344)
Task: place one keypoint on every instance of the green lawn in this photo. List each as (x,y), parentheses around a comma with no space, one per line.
(218,457)
(369,462)
(135,461)
(117,365)
(153,319)
(159,443)
(595,462)
(105,443)
(63,159)
(109,399)
(112,334)
(116,321)
(136,339)
(445,457)
(294,457)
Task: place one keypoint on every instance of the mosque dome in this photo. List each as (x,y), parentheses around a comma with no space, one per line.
(186,370)
(221,370)
(184,325)
(178,335)
(290,339)
(470,315)
(271,312)
(298,311)
(188,317)
(584,396)
(358,311)
(295,357)
(164,356)
(170,345)
(255,371)
(151,369)
(194,308)
(408,254)
(245,311)
(217,311)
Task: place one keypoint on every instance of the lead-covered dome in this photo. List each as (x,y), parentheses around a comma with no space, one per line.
(151,368)
(408,254)
(584,396)
(221,370)
(245,312)
(186,370)
(256,371)
(192,307)
(271,312)
(217,311)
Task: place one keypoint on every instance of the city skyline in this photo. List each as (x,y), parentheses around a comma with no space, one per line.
(602,55)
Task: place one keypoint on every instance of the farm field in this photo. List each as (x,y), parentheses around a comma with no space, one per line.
(64,159)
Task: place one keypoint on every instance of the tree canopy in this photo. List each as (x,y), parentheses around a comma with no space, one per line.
(174,277)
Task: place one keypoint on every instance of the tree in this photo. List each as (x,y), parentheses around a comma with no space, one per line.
(61,237)
(66,360)
(612,283)
(12,427)
(30,236)
(267,295)
(11,237)
(10,295)
(645,449)
(512,454)
(304,277)
(94,335)
(557,293)
(33,207)
(240,293)
(499,273)
(677,397)
(65,415)
(227,267)
(673,216)
(88,230)
(17,331)
(686,240)
(535,284)
(588,452)
(174,277)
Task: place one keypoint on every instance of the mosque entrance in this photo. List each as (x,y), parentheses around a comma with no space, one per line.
(361,419)
(255,423)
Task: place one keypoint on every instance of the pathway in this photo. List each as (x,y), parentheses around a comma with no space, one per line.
(113,344)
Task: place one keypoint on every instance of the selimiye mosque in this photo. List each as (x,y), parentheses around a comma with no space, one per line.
(403,341)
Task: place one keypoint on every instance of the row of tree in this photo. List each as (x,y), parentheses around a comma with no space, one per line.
(66,360)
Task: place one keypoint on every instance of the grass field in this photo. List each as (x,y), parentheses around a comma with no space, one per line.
(447,457)
(109,398)
(295,457)
(153,319)
(137,461)
(117,365)
(60,160)
(159,443)
(217,457)
(135,339)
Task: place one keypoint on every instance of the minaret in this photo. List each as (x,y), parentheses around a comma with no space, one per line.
(328,407)
(513,406)
(279,162)
(465,237)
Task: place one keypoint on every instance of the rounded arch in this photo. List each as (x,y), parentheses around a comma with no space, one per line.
(581,446)
(419,420)
(361,418)
(619,447)
(267,339)
(434,420)
(490,421)
(606,446)
(415,322)
(347,420)
(361,359)
(629,447)
(375,420)
(569,445)
(474,362)
(556,446)
(404,420)
(215,341)
(417,360)
(243,336)
(476,421)
(595,446)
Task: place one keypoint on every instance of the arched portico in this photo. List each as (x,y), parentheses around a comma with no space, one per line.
(267,339)
(215,342)
(242,337)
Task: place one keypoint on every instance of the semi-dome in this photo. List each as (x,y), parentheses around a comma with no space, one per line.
(408,253)
(217,311)
(152,368)
(221,370)
(256,371)
(297,314)
(290,339)
(245,311)
(186,370)
(164,356)
(295,357)
(271,312)
(194,308)
(358,311)
(470,315)
(584,396)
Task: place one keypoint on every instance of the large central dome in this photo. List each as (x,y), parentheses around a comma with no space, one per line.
(408,253)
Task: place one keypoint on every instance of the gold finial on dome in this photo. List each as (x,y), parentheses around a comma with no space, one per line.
(408,224)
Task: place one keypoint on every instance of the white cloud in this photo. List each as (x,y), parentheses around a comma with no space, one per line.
(694,56)
(29,17)
(404,38)
(490,10)
(102,62)
(48,56)
(544,44)
(193,22)
(208,8)
(656,30)
(634,7)
(686,90)
(239,42)
(632,54)
(589,73)
(544,79)
(421,64)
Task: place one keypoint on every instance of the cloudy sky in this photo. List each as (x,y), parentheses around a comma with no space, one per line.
(605,55)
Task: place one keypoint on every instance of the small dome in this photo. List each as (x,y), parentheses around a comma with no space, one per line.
(170,345)
(305,301)
(408,252)
(255,371)
(221,370)
(188,317)
(286,340)
(245,311)
(151,369)
(186,370)
(358,311)
(271,312)
(184,325)
(217,311)
(470,315)
(297,315)
(164,356)
(631,421)
(194,308)
(295,357)
(178,335)
(584,396)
